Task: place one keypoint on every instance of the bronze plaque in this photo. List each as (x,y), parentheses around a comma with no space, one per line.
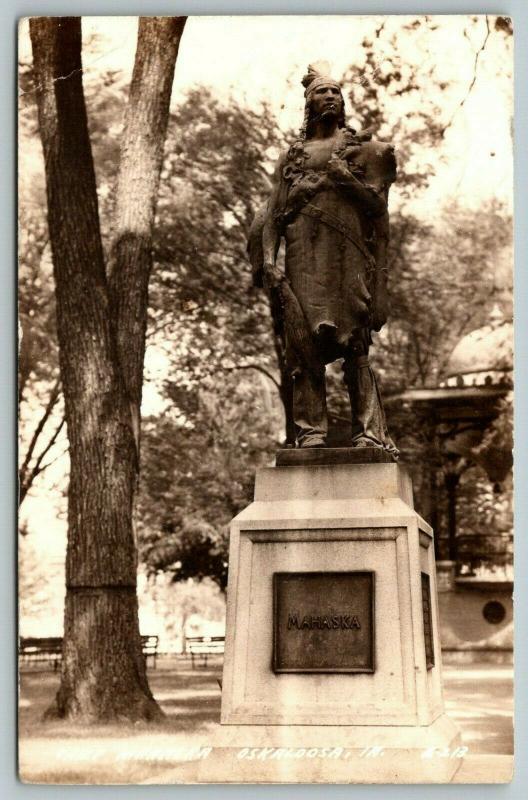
(427,621)
(323,622)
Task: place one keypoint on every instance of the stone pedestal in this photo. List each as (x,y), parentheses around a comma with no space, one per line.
(332,641)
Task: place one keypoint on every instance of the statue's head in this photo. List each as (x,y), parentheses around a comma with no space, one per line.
(324,98)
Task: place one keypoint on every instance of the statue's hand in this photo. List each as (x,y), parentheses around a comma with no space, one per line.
(338,170)
(324,182)
(272,275)
(350,153)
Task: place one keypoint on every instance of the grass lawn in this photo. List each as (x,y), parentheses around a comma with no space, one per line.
(61,752)
(478,697)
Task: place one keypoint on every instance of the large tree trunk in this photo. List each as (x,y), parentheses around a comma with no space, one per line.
(103,669)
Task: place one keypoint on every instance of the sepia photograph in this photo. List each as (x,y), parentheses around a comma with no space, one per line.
(265,399)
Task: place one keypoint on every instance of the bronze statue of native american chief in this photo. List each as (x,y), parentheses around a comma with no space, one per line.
(329,202)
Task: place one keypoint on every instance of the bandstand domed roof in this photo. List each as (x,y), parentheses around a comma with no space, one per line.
(483,357)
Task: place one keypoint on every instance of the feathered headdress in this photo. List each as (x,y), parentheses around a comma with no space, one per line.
(318,74)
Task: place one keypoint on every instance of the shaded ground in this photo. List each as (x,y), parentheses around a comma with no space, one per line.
(479,698)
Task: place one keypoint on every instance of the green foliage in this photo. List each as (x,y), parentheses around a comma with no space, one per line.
(215,175)
(397,95)
(444,280)
(484,522)
(39,397)
(198,472)
(38,362)
(214,327)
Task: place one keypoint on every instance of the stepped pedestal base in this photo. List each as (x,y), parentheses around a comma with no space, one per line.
(332,634)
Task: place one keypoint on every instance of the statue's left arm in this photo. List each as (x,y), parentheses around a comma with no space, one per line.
(271,230)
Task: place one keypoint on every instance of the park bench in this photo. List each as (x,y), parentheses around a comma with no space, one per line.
(33,649)
(202,646)
(149,645)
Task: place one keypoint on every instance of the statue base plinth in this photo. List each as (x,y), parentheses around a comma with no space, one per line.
(319,456)
(332,634)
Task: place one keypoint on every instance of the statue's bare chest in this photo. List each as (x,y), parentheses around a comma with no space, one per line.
(318,152)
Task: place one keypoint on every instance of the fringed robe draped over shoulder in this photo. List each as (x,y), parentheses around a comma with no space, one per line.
(335,247)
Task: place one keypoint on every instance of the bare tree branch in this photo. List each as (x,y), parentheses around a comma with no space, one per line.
(473,80)
(54,396)
(256,367)
(53,460)
(26,483)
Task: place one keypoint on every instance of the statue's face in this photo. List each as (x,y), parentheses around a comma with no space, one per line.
(326,100)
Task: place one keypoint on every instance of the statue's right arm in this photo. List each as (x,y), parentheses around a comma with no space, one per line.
(271,233)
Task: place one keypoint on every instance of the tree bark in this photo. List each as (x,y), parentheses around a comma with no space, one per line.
(142,146)
(103,670)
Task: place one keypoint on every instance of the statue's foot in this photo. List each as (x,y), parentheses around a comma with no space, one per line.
(393,450)
(313,441)
(364,441)
(388,446)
